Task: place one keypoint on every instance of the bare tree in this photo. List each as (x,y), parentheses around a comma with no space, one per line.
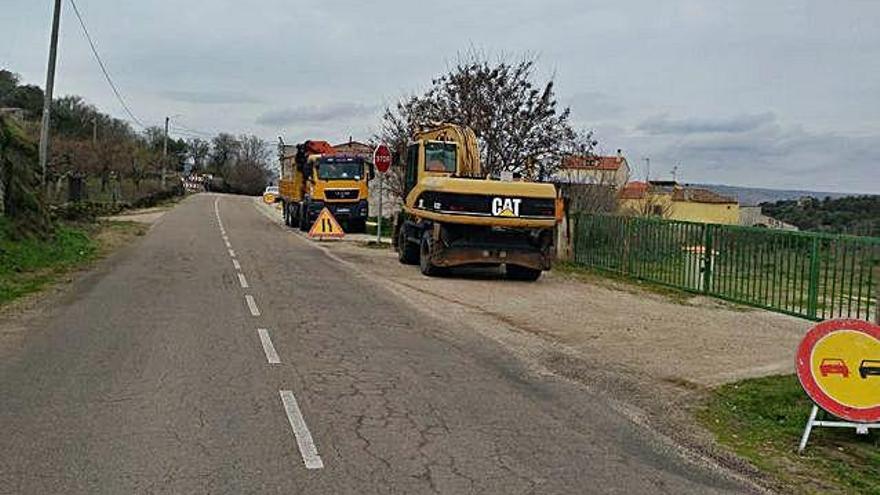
(516,120)
(398,127)
(198,150)
(249,173)
(224,148)
(599,195)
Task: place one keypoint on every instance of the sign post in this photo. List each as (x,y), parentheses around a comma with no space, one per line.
(838,365)
(382,161)
(379,216)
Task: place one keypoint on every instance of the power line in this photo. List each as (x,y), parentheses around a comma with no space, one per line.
(192,131)
(103,67)
(187,134)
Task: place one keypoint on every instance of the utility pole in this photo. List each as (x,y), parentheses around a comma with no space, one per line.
(95,130)
(165,152)
(50,86)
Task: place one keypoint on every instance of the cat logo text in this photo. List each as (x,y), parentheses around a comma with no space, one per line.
(505,207)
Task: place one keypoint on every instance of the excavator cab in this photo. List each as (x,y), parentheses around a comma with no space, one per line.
(430,158)
(441,156)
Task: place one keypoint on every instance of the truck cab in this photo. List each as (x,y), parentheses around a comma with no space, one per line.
(315,177)
(338,183)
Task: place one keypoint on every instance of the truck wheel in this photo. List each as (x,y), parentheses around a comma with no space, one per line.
(407,252)
(358,226)
(425,265)
(303,218)
(516,272)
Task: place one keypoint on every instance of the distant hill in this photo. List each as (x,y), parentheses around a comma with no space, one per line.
(855,215)
(757,195)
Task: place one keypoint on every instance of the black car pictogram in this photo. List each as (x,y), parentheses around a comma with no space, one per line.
(869,367)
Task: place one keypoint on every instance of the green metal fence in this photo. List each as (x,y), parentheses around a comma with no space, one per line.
(815,276)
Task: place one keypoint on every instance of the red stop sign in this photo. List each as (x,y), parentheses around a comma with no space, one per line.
(382,158)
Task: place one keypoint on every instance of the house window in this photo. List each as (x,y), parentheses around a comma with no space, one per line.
(658,210)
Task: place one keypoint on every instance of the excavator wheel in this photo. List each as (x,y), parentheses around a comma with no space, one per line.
(429,269)
(407,252)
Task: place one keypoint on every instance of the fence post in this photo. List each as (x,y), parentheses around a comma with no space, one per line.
(568,238)
(629,227)
(877,293)
(708,256)
(813,290)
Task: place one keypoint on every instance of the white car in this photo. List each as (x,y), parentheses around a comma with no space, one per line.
(270,195)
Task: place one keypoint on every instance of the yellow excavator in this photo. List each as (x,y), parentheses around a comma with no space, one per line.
(454,215)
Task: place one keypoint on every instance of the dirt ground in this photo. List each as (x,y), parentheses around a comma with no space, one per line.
(146,215)
(691,339)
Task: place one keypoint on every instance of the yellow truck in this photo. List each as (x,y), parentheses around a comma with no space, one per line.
(453,215)
(315,176)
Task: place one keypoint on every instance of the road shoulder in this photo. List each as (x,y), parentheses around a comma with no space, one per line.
(108,239)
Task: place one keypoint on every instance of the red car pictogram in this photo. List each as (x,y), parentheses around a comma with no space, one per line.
(833,366)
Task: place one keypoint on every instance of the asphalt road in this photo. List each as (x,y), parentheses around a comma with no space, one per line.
(189,366)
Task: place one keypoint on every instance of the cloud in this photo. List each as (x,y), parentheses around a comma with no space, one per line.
(316,114)
(593,105)
(661,124)
(776,155)
(211,97)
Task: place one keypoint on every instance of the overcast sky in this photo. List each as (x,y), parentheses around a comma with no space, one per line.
(762,93)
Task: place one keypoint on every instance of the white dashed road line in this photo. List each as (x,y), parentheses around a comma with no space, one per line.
(303,438)
(304,441)
(252,305)
(268,347)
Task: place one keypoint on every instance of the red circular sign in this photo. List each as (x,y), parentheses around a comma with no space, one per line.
(382,158)
(838,364)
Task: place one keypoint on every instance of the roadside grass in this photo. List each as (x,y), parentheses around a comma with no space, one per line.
(620,282)
(762,420)
(387,226)
(29,265)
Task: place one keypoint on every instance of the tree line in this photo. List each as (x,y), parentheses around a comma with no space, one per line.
(89,142)
(854,215)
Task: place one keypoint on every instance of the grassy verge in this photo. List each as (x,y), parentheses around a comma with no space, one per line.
(593,276)
(27,266)
(762,420)
(387,226)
